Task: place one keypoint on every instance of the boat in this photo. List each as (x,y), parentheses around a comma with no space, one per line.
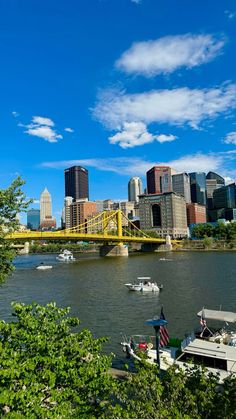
(165,259)
(65,256)
(144,284)
(212,348)
(43,267)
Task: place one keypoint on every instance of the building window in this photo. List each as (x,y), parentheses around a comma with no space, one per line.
(156,215)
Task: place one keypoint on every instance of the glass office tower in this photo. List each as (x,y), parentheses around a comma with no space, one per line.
(33,219)
(198,187)
(76,183)
(225,197)
(213,182)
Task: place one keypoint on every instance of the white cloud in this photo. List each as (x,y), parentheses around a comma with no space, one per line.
(43,128)
(39,120)
(15,114)
(136,134)
(229,180)
(230,138)
(177,106)
(163,138)
(68,129)
(196,163)
(230,15)
(47,133)
(170,53)
(221,162)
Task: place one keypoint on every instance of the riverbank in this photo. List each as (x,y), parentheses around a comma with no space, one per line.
(208,243)
(185,245)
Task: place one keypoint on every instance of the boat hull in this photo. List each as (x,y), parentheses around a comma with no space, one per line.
(44,268)
(142,287)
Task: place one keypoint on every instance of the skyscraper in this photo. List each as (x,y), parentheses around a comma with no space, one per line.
(45,205)
(67,203)
(181,185)
(164,213)
(159,180)
(225,197)
(46,219)
(198,187)
(134,189)
(213,182)
(33,219)
(76,183)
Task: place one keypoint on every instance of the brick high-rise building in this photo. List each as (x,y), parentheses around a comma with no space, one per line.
(196,213)
(80,212)
(76,183)
(159,180)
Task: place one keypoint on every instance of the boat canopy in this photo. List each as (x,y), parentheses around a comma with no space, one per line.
(224,316)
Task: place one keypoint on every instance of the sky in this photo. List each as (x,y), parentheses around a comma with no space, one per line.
(116,86)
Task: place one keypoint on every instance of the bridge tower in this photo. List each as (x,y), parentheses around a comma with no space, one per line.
(118,249)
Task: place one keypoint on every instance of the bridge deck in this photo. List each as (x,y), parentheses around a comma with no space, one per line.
(36,235)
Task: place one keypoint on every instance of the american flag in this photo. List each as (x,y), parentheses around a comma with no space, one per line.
(164,335)
(203,319)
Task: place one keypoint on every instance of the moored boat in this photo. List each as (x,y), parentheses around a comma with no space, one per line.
(211,348)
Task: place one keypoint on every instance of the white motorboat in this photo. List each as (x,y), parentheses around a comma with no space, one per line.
(214,349)
(43,267)
(144,284)
(65,256)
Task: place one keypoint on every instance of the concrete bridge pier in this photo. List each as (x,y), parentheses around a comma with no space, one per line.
(168,243)
(114,250)
(25,249)
(157,247)
(167,247)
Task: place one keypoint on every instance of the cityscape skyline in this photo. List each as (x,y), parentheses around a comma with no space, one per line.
(161,91)
(196,188)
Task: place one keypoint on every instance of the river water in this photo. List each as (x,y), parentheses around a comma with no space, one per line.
(94,289)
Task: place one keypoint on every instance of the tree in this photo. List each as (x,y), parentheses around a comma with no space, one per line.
(201,230)
(12,202)
(189,394)
(207,242)
(49,370)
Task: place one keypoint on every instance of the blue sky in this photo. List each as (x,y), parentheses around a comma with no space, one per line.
(115,86)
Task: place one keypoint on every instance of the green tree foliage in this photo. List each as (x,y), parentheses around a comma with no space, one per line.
(179,394)
(49,371)
(202,230)
(12,202)
(207,242)
(220,231)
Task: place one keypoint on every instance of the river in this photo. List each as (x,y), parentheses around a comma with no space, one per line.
(94,289)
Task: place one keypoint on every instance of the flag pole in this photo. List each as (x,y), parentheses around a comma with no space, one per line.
(156,323)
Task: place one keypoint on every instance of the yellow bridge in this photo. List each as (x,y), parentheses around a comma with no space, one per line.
(108,227)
